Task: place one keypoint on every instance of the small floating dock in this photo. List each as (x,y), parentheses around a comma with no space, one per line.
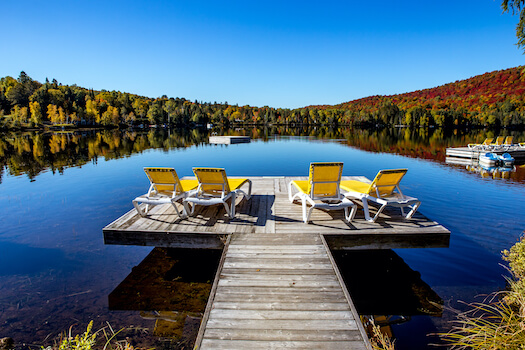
(517,153)
(277,285)
(229,140)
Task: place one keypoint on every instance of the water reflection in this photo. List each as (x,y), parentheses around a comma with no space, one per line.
(384,288)
(383,284)
(32,153)
(64,214)
(171,287)
(513,173)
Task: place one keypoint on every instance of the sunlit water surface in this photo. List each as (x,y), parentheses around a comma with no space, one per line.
(55,270)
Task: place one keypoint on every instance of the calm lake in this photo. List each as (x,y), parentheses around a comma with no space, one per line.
(58,190)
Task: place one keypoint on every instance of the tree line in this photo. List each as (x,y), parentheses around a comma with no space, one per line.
(490,100)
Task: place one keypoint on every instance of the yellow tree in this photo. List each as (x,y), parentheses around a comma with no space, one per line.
(92,112)
(61,115)
(74,117)
(110,116)
(24,114)
(36,113)
(52,113)
(19,114)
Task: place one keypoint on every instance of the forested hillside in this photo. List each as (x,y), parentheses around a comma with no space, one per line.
(495,98)
(492,99)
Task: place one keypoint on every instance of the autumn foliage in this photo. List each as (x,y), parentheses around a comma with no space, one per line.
(490,99)
(493,99)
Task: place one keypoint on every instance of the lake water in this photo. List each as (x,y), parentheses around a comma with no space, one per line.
(58,190)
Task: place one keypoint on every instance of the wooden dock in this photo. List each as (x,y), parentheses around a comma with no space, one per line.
(229,140)
(277,285)
(464,152)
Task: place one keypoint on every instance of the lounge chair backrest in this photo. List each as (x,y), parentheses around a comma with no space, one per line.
(212,181)
(499,141)
(386,181)
(324,179)
(488,141)
(164,180)
(508,140)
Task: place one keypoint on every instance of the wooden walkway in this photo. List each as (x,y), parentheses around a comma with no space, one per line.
(278,292)
(277,285)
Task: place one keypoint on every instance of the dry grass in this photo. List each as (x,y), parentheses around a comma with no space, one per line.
(88,340)
(498,323)
(381,341)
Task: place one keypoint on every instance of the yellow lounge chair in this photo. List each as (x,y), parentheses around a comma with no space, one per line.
(165,187)
(508,144)
(322,184)
(498,143)
(384,190)
(476,146)
(215,188)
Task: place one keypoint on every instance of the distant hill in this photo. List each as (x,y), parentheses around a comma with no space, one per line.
(492,99)
(488,99)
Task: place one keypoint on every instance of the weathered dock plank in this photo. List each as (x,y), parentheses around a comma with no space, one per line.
(271,345)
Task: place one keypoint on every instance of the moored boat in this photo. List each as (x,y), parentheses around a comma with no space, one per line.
(506,160)
(489,159)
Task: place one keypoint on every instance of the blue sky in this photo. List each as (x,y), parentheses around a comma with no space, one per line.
(276,53)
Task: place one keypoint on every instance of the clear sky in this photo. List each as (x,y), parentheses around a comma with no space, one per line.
(276,53)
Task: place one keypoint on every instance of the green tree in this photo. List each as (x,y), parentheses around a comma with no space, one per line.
(170,107)
(19,92)
(155,113)
(517,6)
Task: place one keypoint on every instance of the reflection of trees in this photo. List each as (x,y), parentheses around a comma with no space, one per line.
(31,153)
(427,143)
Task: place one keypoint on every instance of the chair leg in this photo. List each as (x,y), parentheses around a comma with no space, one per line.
(227,208)
(414,209)
(232,210)
(189,210)
(290,196)
(139,210)
(379,211)
(249,194)
(350,216)
(184,213)
(365,210)
(306,216)
(309,214)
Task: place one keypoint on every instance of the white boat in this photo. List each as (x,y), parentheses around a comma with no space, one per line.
(506,160)
(489,159)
